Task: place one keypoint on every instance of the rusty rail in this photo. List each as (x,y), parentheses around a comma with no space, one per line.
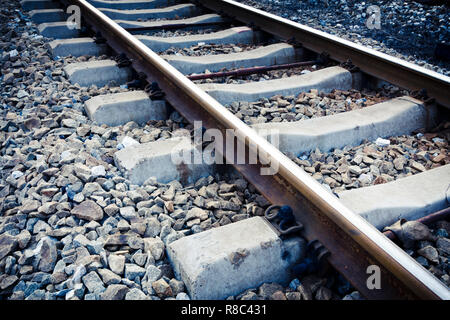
(253,70)
(354,243)
(176,26)
(426,220)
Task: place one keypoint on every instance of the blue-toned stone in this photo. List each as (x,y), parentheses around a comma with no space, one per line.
(442,233)
(93,283)
(42,278)
(61,293)
(37,295)
(133,271)
(294,284)
(30,288)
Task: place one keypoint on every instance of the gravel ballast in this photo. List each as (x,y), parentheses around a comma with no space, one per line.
(377,162)
(71,226)
(428,245)
(408,30)
(308,105)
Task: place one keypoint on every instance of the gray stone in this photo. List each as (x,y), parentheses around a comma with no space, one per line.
(177,286)
(155,247)
(111,209)
(91,296)
(415,231)
(153,273)
(88,210)
(423,261)
(81,241)
(123,225)
(37,295)
(70,123)
(249,296)
(80,271)
(48,207)
(47,254)
(133,271)
(268,289)
(196,213)
(109,277)
(30,206)
(77,292)
(162,288)
(135,196)
(182,296)
(7,245)
(41,226)
(140,258)
(355,170)
(443,244)
(153,228)
(430,253)
(294,295)
(116,263)
(138,227)
(115,292)
(90,188)
(128,213)
(136,294)
(132,240)
(7,281)
(93,283)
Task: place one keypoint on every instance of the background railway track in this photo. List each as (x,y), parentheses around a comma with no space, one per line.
(352,242)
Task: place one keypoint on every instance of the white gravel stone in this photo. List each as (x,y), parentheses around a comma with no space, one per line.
(98,171)
(382,142)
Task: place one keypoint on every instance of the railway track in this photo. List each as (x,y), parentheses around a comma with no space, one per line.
(315,70)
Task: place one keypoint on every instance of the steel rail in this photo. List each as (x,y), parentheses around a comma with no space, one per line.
(382,66)
(251,70)
(354,243)
(177,26)
(427,220)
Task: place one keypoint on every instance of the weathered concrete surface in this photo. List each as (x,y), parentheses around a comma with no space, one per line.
(154,159)
(409,198)
(227,260)
(47,15)
(189,21)
(38,4)
(279,53)
(394,117)
(324,80)
(77,47)
(174,12)
(58,30)
(120,108)
(243,35)
(100,73)
(131,4)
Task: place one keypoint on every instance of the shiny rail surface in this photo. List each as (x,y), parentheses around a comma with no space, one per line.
(354,243)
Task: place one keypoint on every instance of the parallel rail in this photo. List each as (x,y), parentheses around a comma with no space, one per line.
(354,243)
(396,71)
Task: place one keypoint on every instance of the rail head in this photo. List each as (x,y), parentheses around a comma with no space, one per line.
(354,243)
